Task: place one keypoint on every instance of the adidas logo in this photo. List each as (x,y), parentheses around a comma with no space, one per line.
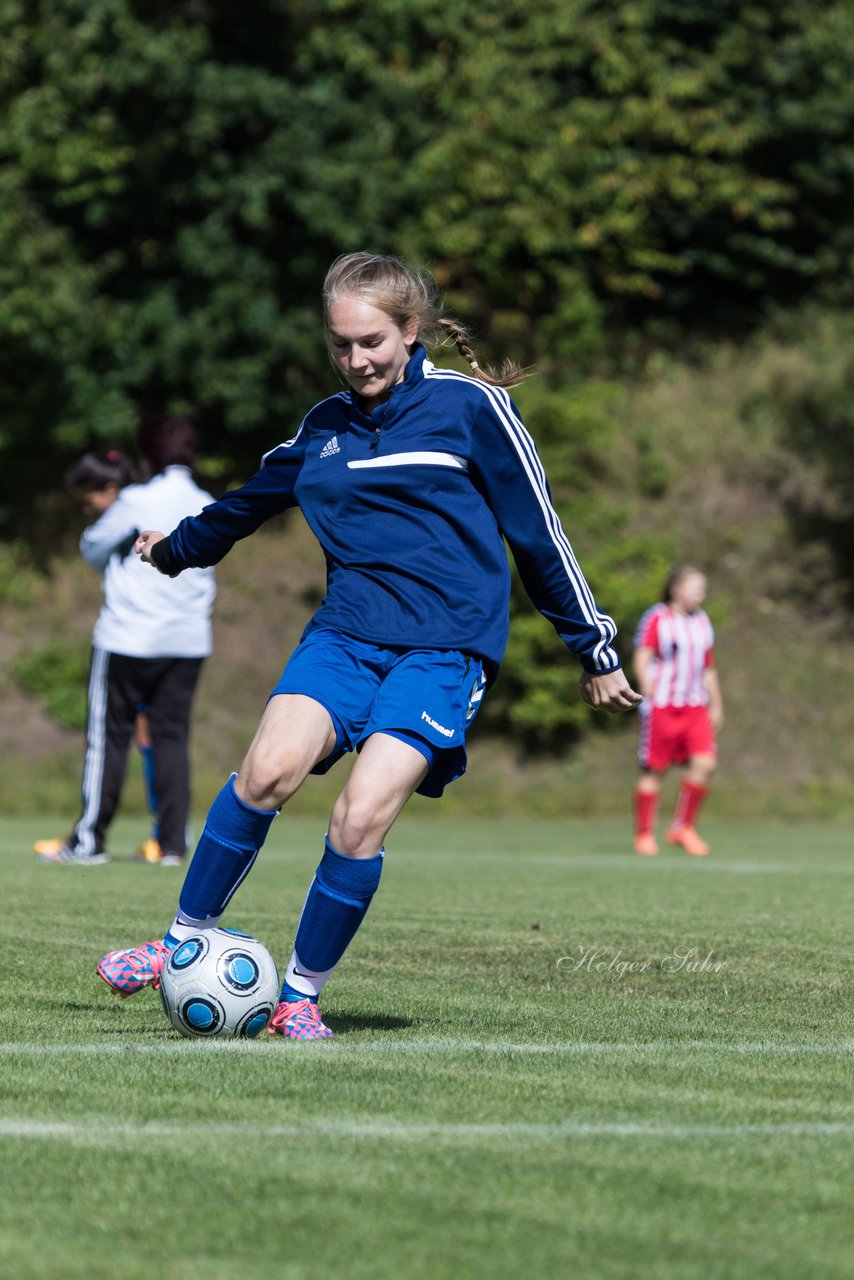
(331,446)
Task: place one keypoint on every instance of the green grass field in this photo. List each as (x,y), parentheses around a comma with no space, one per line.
(551,1058)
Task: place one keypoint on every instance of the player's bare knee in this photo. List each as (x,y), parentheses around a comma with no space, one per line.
(649,781)
(701,770)
(355,828)
(265,784)
(351,837)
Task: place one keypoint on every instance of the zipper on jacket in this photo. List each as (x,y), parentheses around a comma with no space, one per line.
(378,429)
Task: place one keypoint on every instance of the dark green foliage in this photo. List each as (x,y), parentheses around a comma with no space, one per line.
(593,466)
(176,178)
(16,575)
(811,395)
(639,164)
(57,674)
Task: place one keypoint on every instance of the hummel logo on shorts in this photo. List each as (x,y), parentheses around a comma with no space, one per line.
(331,446)
(440,728)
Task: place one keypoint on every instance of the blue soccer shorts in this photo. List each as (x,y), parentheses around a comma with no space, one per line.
(426,697)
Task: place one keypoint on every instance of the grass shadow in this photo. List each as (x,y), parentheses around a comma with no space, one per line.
(342,1023)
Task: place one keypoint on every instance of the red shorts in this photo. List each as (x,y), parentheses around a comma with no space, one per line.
(672,735)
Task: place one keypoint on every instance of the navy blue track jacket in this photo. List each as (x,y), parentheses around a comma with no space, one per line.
(409,504)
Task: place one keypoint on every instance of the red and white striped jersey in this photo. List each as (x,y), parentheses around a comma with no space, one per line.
(683,647)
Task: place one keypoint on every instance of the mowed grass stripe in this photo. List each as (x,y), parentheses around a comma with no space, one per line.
(97,1131)
(496,1047)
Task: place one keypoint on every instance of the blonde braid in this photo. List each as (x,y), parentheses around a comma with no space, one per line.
(510,375)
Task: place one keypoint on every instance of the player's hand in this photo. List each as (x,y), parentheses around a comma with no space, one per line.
(146,540)
(610,692)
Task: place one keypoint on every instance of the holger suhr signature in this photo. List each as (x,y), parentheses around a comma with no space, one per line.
(679,959)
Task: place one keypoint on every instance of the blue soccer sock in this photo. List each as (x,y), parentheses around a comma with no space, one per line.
(147,753)
(337,901)
(227,848)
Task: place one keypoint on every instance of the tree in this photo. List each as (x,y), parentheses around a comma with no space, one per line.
(608,167)
(177,177)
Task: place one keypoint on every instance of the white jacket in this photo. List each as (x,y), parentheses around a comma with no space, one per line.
(145,615)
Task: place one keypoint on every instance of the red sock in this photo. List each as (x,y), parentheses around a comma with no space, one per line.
(688,803)
(646,807)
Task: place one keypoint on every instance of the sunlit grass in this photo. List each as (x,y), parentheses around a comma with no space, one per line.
(550,1057)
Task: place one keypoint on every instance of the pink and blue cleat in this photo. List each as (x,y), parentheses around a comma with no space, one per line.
(128,971)
(298,1020)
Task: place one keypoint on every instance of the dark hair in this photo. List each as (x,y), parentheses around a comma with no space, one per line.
(676,575)
(405,293)
(165,440)
(95,471)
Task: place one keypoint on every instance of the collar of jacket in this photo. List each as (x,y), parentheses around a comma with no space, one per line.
(413,376)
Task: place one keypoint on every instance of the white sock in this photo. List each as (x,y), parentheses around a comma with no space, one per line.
(183,927)
(302,981)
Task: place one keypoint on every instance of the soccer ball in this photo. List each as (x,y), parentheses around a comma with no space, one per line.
(219,983)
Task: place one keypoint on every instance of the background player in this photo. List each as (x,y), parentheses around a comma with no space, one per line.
(95,482)
(683,709)
(148,646)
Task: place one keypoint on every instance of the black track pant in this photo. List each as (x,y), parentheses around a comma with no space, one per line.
(117,687)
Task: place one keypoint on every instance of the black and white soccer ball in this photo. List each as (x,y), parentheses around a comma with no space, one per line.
(219,983)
